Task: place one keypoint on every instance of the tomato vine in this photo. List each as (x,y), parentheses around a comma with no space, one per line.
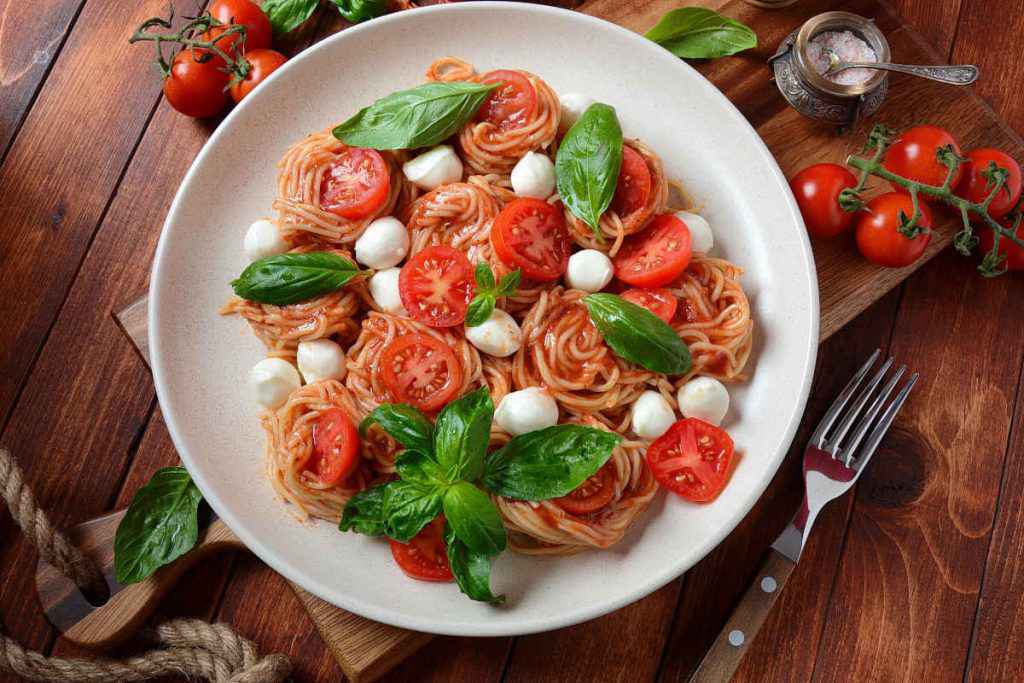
(192,36)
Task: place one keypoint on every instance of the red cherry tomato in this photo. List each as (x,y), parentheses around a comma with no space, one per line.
(817,189)
(634,185)
(510,105)
(693,459)
(425,557)
(1014,254)
(592,495)
(196,88)
(258,32)
(660,302)
(420,370)
(878,235)
(335,447)
(656,256)
(436,286)
(262,63)
(913,156)
(975,187)
(356,185)
(530,234)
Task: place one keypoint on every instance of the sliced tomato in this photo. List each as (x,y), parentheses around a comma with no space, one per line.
(693,459)
(530,234)
(356,185)
(420,370)
(660,302)
(424,558)
(592,495)
(656,256)
(634,186)
(510,105)
(335,447)
(436,286)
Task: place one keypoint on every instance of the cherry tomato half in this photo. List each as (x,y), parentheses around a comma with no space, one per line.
(335,447)
(436,286)
(1014,254)
(530,234)
(196,88)
(913,156)
(425,557)
(258,32)
(262,63)
(634,184)
(878,235)
(420,370)
(592,495)
(356,185)
(693,459)
(660,302)
(656,256)
(975,187)
(817,189)
(510,105)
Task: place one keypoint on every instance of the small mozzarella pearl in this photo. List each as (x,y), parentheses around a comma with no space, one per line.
(384,290)
(702,240)
(589,270)
(263,239)
(652,415)
(383,244)
(704,398)
(498,336)
(272,380)
(434,168)
(572,105)
(320,359)
(526,410)
(534,176)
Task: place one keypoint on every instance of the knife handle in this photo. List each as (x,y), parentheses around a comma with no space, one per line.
(726,653)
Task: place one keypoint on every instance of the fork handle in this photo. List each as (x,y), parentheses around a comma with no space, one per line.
(726,653)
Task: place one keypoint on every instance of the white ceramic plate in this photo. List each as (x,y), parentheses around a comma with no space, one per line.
(200,360)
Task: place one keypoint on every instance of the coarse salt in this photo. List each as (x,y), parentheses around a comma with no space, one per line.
(849,47)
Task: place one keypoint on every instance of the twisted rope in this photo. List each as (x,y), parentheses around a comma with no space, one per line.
(190,646)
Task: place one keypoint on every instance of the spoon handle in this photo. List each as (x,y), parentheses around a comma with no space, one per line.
(955,74)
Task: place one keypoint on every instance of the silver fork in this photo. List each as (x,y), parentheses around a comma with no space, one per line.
(834,459)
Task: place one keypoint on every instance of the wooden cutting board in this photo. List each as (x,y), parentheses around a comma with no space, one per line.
(848,284)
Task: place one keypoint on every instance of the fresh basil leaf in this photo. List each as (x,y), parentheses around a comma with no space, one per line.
(364,512)
(587,164)
(472,571)
(420,468)
(361,10)
(404,424)
(288,278)
(548,463)
(420,117)
(287,15)
(510,283)
(480,309)
(461,435)
(699,33)
(408,507)
(484,276)
(161,525)
(636,334)
(474,518)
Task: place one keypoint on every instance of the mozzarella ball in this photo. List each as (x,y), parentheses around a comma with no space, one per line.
(499,335)
(263,239)
(652,415)
(526,410)
(434,168)
(272,380)
(701,238)
(573,105)
(704,398)
(534,176)
(320,359)
(383,244)
(589,270)
(384,290)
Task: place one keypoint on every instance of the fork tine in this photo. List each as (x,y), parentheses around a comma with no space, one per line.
(836,439)
(869,416)
(885,421)
(833,412)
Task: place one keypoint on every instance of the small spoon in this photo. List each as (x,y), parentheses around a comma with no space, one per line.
(956,74)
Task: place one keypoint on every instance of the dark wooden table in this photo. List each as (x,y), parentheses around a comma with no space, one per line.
(914,578)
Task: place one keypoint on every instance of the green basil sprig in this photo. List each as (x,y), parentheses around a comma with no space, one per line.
(287,15)
(361,10)
(420,117)
(289,278)
(587,164)
(699,33)
(364,512)
(161,525)
(636,334)
(472,570)
(487,293)
(404,423)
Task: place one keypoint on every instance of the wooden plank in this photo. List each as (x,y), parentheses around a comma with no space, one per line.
(986,29)
(937,21)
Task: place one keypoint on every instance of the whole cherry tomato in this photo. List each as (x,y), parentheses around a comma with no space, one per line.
(1013,252)
(914,155)
(878,235)
(974,187)
(817,189)
(262,63)
(195,87)
(258,32)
